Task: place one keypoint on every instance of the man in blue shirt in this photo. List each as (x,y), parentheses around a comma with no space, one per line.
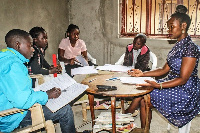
(16,86)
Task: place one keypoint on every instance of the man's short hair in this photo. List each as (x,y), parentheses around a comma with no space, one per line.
(13,35)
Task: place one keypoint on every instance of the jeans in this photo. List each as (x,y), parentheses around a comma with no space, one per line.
(64,116)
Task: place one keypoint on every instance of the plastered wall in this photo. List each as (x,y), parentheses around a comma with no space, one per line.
(52,15)
(97,20)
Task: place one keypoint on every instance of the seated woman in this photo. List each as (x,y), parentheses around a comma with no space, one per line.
(138,54)
(176,97)
(38,64)
(71,47)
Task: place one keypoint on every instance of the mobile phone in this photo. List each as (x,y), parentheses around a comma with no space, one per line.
(106,88)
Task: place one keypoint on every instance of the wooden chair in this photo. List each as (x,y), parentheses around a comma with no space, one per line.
(38,120)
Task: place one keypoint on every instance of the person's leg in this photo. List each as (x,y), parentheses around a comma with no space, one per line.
(65,117)
(134,105)
(26,121)
(143,113)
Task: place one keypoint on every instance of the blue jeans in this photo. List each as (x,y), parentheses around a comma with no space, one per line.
(64,116)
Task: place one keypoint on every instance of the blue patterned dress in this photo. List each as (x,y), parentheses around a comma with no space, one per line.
(179,104)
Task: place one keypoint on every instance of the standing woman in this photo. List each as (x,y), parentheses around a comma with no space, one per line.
(71,47)
(176,97)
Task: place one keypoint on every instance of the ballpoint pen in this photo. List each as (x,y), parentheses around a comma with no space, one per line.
(115,78)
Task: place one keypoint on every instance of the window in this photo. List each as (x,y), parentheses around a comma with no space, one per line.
(150,17)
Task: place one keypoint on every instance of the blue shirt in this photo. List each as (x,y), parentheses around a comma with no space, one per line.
(16,88)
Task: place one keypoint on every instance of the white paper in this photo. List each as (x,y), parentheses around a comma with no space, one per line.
(84,70)
(135,80)
(69,87)
(82,60)
(117,68)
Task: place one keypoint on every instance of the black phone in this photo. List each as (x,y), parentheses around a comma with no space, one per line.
(106,88)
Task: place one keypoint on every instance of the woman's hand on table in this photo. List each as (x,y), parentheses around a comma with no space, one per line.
(150,83)
(135,73)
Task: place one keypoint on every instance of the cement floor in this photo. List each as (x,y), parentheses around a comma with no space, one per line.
(158,124)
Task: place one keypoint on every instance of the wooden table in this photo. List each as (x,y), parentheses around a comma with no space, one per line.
(123,91)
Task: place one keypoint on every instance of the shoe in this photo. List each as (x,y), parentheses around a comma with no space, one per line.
(87,131)
(135,113)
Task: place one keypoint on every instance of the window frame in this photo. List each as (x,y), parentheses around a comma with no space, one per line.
(123,24)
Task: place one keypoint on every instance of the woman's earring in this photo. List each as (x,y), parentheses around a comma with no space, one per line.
(183,31)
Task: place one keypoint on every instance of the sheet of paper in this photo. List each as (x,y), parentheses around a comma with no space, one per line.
(135,80)
(82,60)
(70,90)
(117,68)
(84,70)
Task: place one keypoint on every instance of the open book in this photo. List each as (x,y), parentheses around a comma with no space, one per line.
(69,87)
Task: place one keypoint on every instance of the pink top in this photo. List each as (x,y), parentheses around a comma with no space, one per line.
(72,52)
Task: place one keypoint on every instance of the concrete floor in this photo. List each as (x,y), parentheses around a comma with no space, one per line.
(158,124)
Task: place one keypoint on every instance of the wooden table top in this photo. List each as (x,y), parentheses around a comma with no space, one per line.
(123,90)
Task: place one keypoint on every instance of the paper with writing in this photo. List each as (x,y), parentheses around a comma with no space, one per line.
(69,87)
(82,60)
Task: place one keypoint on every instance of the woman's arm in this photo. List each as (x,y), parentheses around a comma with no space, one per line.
(186,71)
(154,73)
(61,56)
(84,54)
(187,66)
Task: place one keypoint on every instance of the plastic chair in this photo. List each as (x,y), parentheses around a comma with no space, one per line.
(184,129)
(38,120)
(153,60)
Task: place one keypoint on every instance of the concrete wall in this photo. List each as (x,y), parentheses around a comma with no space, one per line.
(52,15)
(97,20)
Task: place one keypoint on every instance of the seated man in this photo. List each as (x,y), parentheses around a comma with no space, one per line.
(16,90)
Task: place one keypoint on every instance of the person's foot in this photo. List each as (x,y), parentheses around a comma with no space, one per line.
(135,113)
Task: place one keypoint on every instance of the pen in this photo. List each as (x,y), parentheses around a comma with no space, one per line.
(92,80)
(112,78)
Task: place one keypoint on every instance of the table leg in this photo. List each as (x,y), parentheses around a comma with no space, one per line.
(147,100)
(122,105)
(113,111)
(91,103)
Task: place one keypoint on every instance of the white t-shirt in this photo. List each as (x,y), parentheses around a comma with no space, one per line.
(135,55)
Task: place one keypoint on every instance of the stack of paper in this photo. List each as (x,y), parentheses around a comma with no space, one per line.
(135,80)
(104,121)
(84,70)
(116,68)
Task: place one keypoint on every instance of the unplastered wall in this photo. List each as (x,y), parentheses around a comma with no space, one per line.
(52,15)
(98,22)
